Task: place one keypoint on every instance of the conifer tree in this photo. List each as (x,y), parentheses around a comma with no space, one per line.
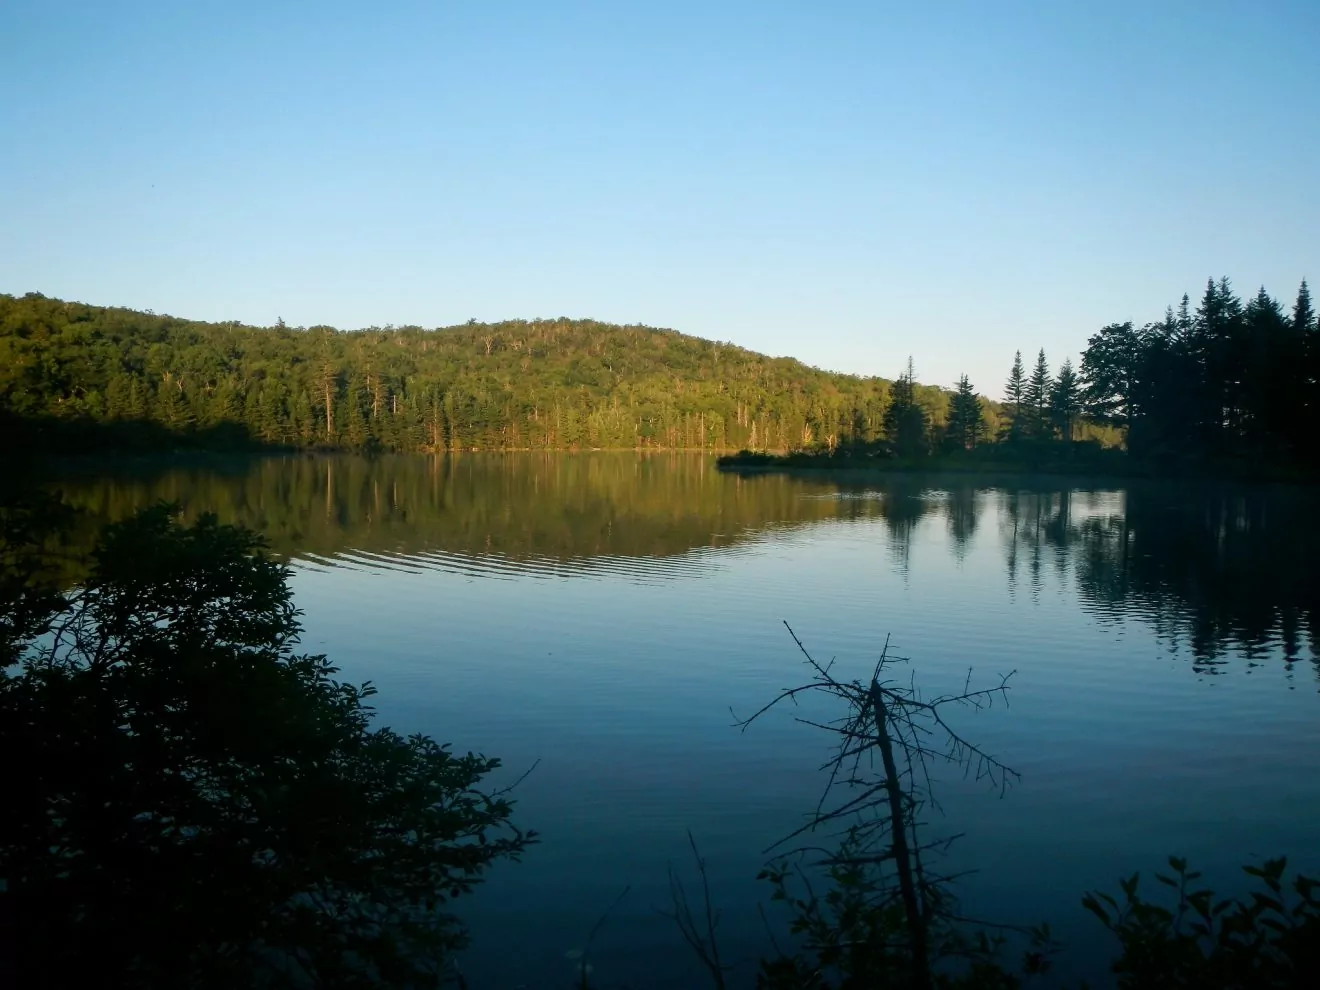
(1013,396)
(1303,318)
(1065,401)
(1272,378)
(172,409)
(966,425)
(1184,318)
(1306,325)
(905,421)
(1035,399)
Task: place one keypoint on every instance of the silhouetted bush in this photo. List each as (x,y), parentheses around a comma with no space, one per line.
(190,802)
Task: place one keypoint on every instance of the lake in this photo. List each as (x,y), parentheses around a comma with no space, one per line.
(608,615)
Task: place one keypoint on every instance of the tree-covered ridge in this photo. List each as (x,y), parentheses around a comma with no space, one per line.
(541,384)
(1226,383)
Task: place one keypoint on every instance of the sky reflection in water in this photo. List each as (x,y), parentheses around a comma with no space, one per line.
(603,613)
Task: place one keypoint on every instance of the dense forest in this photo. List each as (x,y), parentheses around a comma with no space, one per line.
(1227,386)
(144,379)
(1226,380)
(1224,383)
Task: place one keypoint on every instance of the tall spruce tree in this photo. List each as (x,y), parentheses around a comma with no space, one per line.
(1307,325)
(1184,317)
(1273,378)
(966,426)
(906,426)
(1303,318)
(1065,401)
(1013,404)
(1221,348)
(1036,398)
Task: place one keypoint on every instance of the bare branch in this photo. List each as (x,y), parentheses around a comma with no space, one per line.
(700,937)
(884,749)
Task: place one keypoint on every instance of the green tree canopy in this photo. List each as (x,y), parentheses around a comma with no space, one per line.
(147,380)
(1014,400)
(1065,402)
(1036,397)
(1110,373)
(906,422)
(1227,382)
(966,426)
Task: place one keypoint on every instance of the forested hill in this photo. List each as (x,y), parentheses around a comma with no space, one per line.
(139,378)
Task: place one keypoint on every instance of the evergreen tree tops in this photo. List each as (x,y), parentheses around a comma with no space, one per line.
(1041,407)
(966,427)
(1227,382)
(905,421)
(1014,396)
(1303,315)
(1065,402)
(1035,398)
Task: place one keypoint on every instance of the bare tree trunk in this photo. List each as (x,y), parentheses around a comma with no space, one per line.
(327,386)
(888,805)
(907,886)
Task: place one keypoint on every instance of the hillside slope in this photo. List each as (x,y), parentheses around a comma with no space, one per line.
(542,384)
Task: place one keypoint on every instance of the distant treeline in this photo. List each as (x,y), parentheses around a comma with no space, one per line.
(137,379)
(1226,382)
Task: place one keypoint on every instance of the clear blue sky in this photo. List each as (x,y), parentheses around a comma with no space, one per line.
(847,183)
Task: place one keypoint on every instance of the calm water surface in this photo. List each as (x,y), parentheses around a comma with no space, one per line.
(602,614)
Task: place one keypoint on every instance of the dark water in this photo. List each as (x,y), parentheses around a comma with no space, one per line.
(603,613)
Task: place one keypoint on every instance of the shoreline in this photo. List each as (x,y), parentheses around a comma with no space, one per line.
(1118,471)
(848,470)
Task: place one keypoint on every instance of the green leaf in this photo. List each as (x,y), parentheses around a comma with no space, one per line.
(1267,903)
(1091,904)
(1129,886)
